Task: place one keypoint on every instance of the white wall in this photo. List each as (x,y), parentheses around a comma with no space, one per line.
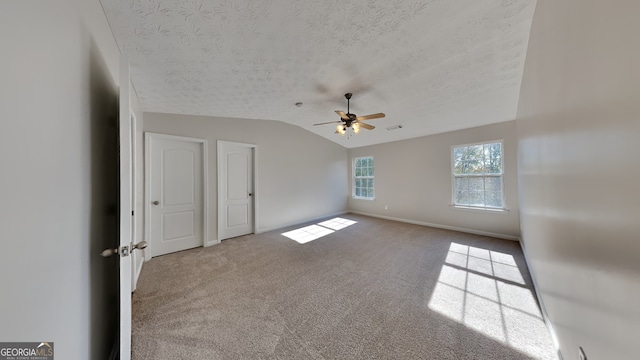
(58,105)
(301,176)
(413,178)
(578,126)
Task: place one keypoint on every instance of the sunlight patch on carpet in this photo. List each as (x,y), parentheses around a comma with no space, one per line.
(337,223)
(312,232)
(307,233)
(484,290)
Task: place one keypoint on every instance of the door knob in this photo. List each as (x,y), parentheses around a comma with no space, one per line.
(141,245)
(156,202)
(124,251)
(250,194)
(109,252)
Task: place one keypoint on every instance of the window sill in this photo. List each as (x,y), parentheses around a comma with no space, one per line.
(362,198)
(479,209)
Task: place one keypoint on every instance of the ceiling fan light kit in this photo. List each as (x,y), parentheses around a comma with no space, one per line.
(342,128)
(351,121)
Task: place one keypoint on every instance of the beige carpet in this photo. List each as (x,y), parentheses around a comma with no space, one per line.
(376,289)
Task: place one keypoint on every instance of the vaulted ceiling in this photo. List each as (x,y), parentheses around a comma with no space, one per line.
(430,65)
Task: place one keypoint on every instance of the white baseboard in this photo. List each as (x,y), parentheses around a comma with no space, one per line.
(446,227)
(263,230)
(543,310)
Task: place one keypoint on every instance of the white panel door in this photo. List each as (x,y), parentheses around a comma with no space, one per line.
(235,176)
(175,196)
(125,211)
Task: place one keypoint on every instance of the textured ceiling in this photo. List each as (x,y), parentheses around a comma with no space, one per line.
(431,65)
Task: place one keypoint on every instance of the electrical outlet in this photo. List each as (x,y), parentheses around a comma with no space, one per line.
(581,354)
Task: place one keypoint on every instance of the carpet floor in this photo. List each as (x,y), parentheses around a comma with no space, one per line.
(366,289)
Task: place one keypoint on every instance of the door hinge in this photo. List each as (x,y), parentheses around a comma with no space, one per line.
(131,212)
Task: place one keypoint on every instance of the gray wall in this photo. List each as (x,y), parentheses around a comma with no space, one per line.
(58,105)
(413,178)
(301,176)
(578,126)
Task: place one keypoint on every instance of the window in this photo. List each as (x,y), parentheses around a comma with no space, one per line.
(477,176)
(363,178)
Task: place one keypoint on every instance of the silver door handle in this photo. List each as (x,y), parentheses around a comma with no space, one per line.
(124,250)
(109,252)
(141,245)
(156,202)
(121,250)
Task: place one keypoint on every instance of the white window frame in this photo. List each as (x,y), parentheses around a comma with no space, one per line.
(354,178)
(503,207)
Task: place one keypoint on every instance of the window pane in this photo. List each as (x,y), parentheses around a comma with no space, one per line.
(493,184)
(468,159)
(461,197)
(459,166)
(493,158)
(370,192)
(358,172)
(457,159)
(493,199)
(370,183)
(357,191)
(358,182)
(476,184)
(476,198)
(371,170)
(475,159)
(461,183)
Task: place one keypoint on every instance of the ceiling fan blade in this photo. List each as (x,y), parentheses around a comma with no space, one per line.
(366,126)
(369,117)
(342,114)
(328,122)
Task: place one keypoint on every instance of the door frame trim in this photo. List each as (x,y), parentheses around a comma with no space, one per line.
(256,193)
(135,200)
(148,138)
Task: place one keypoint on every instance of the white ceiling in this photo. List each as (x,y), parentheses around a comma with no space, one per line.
(431,65)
